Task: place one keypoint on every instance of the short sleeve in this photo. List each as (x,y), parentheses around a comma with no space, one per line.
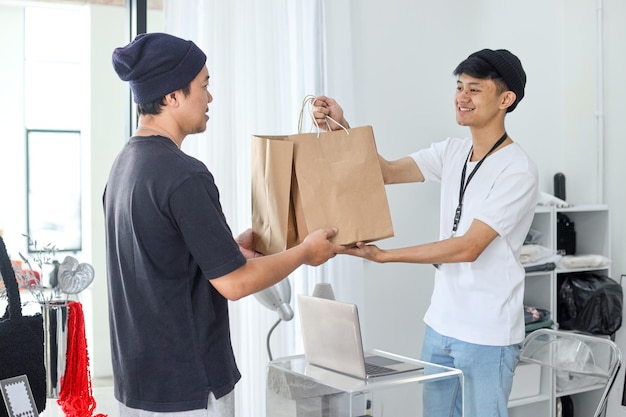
(198,214)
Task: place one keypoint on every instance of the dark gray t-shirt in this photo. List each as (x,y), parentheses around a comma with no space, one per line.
(166,238)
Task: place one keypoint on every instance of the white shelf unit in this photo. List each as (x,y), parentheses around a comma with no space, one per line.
(591,223)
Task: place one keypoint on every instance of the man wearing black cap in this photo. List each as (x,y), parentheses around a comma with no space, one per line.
(172,261)
(475,321)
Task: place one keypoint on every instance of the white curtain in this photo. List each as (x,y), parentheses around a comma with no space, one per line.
(263,57)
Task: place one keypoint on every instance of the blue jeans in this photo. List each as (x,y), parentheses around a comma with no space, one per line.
(487,372)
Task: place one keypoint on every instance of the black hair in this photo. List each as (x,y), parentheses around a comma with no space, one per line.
(479,68)
(156,106)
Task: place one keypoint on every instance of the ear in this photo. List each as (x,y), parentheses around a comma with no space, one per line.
(508,98)
(171,99)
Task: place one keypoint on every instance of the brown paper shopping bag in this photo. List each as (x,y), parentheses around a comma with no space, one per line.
(340,184)
(272,208)
(307,181)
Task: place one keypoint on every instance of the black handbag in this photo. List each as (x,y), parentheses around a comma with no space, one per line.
(21,339)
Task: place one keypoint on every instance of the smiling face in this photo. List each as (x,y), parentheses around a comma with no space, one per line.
(480,101)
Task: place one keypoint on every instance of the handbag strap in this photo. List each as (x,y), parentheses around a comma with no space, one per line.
(14,308)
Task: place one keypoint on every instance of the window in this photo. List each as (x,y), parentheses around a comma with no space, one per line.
(54,111)
(54,197)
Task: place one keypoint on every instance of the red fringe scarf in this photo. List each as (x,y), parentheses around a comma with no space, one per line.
(76,396)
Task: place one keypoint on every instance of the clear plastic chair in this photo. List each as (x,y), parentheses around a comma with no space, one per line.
(579,360)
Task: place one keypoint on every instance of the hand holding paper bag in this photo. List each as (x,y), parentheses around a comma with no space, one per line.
(307,181)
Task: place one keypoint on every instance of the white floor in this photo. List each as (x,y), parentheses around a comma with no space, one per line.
(102,393)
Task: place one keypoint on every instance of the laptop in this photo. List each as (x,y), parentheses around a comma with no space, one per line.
(331,336)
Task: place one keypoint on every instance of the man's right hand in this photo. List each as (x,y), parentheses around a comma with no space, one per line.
(325,106)
(319,248)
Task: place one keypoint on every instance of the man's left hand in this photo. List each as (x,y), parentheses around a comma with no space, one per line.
(246,244)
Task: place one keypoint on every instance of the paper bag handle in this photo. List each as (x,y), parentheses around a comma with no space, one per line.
(14,307)
(309,101)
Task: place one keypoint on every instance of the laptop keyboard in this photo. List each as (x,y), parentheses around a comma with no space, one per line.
(371,369)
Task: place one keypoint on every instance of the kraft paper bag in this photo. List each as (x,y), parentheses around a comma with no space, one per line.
(340,184)
(272,208)
(307,181)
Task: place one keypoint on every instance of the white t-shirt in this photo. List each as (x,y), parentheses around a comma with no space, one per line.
(481,302)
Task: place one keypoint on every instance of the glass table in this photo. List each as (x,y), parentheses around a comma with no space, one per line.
(296,388)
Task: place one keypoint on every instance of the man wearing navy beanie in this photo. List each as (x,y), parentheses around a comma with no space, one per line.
(172,261)
(475,321)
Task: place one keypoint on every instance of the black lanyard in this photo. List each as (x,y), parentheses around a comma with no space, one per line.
(459,208)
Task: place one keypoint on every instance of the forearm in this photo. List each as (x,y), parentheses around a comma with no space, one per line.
(451,250)
(259,273)
(403,170)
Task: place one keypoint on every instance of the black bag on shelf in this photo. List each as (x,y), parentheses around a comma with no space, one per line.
(565,235)
(589,302)
(21,339)
(565,406)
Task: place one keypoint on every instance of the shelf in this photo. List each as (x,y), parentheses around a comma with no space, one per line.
(591,224)
(583,208)
(544,209)
(529,400)
(579,390)
(543,274)
(571,271)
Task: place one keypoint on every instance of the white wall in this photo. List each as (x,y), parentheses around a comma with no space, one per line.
(390,65)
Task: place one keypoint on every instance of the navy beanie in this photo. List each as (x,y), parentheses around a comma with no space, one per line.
(155,64)
(510,69)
